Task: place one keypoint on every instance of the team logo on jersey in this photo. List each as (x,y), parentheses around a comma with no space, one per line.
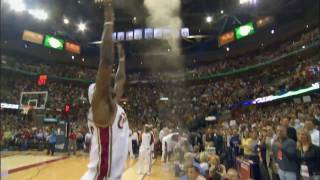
(123,119)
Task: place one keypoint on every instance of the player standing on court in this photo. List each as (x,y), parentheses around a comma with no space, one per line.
(110,125)
(145,152)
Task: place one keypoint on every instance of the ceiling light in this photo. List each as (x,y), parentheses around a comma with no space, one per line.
(209,19)
(221,11)
(39,14)
(272,31)
(134,20)
(66,21)
(16,5)
(82,27)
(248,1)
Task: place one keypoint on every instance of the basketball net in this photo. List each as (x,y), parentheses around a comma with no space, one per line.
(26,108)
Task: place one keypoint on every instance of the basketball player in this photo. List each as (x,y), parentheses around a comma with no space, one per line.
(145,152)
(152,143)
(135,143)
(168,144)
(130,145)
(110,126)
(164,132)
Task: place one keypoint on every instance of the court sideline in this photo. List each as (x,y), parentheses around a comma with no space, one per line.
(74,167)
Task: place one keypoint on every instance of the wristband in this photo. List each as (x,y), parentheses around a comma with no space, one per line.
(109,3)
(108,23)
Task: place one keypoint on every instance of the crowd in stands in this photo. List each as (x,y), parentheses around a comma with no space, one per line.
(230,64)
(183,103)
(21,133)
(220,66)
(281,142)
(266,54)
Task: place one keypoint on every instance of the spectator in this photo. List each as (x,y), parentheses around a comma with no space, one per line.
(269,161)
(314,133)
(262,151)
(80,140)
(190,161)
(87,141)
(135,143)
(218,142)
(232,174)
(204,161)
(285,155)
(292,133)
(309,155)
(193,173)
(249,144)
(52,140)
(7,138)
(234,145)
(217,170)
(72,142)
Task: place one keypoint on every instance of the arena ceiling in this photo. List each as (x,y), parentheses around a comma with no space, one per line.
(193,14)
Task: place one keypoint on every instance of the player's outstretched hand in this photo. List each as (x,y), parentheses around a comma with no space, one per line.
(121,53)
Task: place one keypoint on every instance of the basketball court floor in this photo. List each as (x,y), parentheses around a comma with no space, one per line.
(36,166)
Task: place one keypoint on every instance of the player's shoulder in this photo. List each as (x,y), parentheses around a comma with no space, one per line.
(120,109)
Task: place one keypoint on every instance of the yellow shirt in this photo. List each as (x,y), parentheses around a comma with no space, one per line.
(247,144)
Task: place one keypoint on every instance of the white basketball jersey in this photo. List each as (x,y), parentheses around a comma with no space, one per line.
(109,149)
(146,139)
(169,141)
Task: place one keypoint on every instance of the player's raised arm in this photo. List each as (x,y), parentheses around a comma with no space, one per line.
(102,104)
(121,73)
(106,52)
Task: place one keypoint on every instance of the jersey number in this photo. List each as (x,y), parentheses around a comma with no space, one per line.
(123,119)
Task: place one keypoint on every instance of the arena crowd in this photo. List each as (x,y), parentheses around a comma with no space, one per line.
(285,134)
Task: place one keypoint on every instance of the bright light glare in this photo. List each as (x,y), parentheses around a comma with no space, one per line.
(228,49)
(209,19)
(39,14)
(272,31)
(248,1)
(82,27)
(66,21)
(16,5)
(221,11)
